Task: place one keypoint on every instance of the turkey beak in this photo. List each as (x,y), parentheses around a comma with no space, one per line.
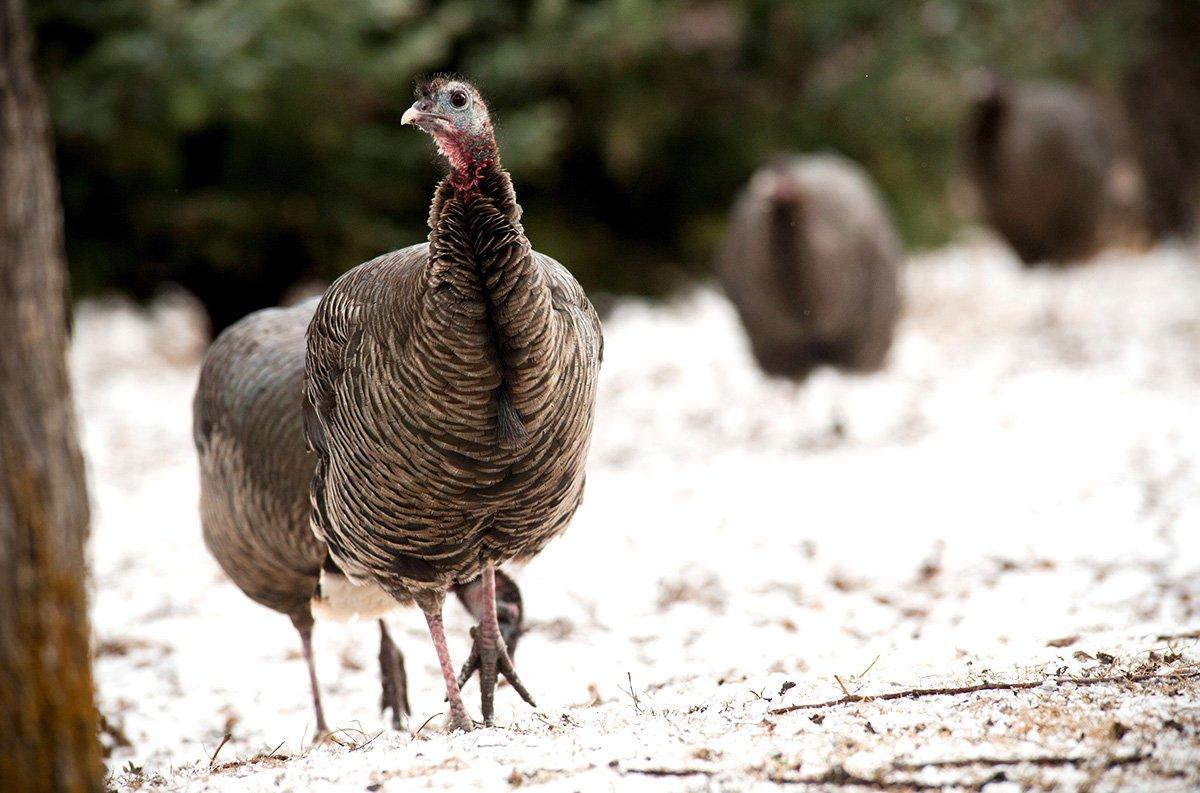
(421,117)
(411,116)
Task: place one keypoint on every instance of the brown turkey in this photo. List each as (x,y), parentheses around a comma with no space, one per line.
(1162,99)
(450,396)
(255,473)
(811,262)
(1042,156)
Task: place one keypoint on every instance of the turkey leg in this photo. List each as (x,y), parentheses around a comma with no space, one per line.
(510,611)
(394,679)
(489,655)
(458,712)
(305,629)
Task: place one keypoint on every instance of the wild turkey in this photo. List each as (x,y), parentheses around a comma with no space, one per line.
(1162,99)
(254,477)
(450,396)
(1041,156)
(811,261)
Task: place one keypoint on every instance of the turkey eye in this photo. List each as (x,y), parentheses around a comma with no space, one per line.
(458,98)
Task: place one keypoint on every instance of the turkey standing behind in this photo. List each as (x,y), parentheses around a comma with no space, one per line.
(811,262)
(254,493)
(450,395)
(1041,156)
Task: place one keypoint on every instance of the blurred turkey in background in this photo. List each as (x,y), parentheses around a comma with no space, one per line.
(1052,174)
(810,260)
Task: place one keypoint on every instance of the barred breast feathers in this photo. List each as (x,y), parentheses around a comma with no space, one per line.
(449,391)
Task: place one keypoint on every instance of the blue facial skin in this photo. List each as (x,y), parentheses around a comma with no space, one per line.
(450,109)
(454,115)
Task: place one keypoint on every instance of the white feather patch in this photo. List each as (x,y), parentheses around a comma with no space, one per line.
(340,600)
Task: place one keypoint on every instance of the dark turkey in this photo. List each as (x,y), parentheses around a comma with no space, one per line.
(450,395)
(1162,99)
(254,488)
(1041,156)
(811,263)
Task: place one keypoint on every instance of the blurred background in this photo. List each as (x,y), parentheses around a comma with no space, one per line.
(240,147)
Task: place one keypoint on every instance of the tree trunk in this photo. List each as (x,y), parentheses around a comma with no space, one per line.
(48,738)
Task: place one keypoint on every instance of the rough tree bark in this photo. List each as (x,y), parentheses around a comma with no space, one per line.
(48,737)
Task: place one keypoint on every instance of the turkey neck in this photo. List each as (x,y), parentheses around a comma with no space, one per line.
(489,296)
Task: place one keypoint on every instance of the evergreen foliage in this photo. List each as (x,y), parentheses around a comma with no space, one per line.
(236,146)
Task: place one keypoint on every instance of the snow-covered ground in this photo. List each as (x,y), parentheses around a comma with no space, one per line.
(1015,500)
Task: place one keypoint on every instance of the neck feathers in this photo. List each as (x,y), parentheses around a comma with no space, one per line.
(471,159)
(489,291)
(478,182)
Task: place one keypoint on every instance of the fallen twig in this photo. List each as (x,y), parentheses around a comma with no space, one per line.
(261,757)
(1166,637)
(913,693)
(213,760)
(431,718)
(349,740)
(368,743)
(1041,760)
(637,703)
(659,771)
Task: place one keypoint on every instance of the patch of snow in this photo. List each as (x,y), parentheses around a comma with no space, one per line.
(1015,498)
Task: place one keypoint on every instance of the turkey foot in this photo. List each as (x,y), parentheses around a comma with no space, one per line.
(489,655)
(395,682)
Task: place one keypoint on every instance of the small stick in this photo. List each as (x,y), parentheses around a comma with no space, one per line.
(657,771)
(431,718)
(637,704)
(941,692)
(1039,760)
(213,760)
(349,740)
(368,743)
(845,690)
(1166,637)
